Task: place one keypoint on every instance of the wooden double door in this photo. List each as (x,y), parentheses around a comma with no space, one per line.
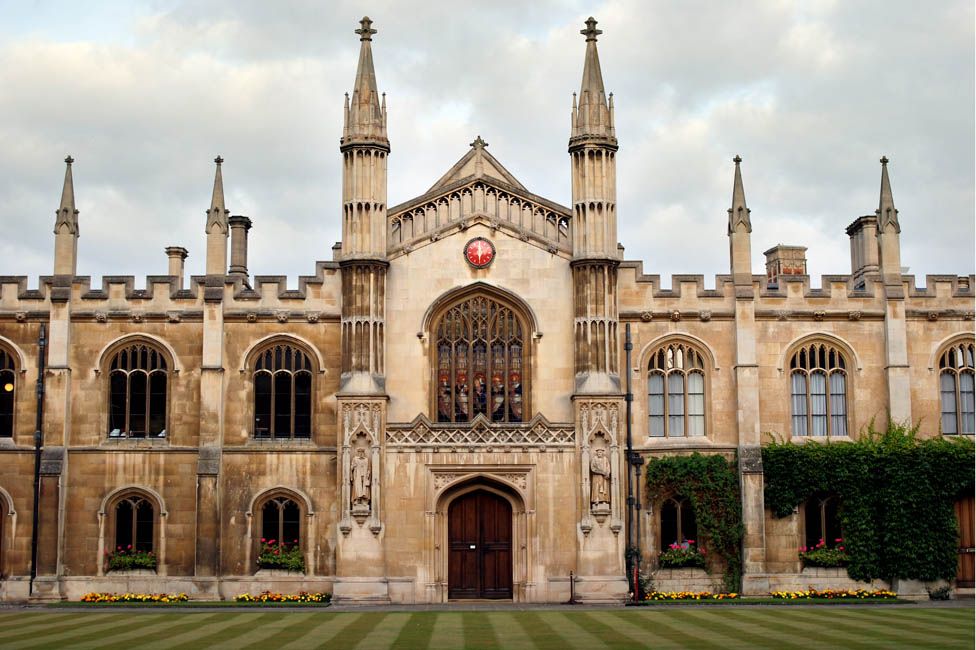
(480,546)
(966,574)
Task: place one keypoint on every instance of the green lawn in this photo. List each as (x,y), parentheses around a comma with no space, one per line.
(563,629)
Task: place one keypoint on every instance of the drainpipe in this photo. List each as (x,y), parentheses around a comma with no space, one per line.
(628,399)
(39,422)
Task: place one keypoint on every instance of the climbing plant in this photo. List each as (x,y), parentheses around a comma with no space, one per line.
(711,485)
(896,494)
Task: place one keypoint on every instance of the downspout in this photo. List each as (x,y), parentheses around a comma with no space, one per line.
(628,399)
(38,437)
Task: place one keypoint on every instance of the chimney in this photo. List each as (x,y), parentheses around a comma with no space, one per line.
(864,248)
(785,260)
(177,255)
(239,225)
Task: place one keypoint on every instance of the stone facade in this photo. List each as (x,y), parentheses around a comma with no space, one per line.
(374,472)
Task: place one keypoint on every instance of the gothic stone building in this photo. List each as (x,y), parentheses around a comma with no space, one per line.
(440,411)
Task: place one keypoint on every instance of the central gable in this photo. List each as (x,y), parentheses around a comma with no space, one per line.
(478,188)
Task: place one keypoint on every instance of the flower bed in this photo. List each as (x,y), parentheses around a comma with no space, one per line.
(668,596)
(95,597)
(682,555)
(277,554)
(126,559)
(271,597)
(825,556)
(835,594)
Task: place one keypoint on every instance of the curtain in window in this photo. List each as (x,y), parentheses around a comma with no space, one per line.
(798,381)
(818,403)
(676,404)
(838,404)
(947,390)
(967,398)
(696,404)
(655,397)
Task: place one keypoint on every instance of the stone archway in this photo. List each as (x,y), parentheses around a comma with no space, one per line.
(490,513)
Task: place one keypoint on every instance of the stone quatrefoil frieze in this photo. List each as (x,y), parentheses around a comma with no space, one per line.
(481,434)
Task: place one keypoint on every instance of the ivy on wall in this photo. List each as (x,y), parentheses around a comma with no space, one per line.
(896,493)
(711,485)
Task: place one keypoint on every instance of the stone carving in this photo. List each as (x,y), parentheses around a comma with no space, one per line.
(782,314)
(933,315)
(21,317)
(138,316)
(819,315)
(705,315)
(481,434)
(360,476)
(646,316)
(313,316)
(282,316)
(600,478)
(174,317)
(675,315)
(101,317)
(252,317)
(596,416)
(443,479)
(854,315)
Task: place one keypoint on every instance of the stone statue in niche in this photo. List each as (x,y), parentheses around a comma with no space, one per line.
(360,475)
(599,478)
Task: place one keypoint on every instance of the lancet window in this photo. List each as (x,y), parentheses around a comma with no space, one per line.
(138,378)
(956,389)
(8,385)
(818,385)
(677,522)
(282,392)
(480,352)
(135,520)
(676,391)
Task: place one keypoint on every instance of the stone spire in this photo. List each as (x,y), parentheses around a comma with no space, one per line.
(365,115)
(738,213)
(740,239)
(217,227)
(887,213)
(593,115)
(66,226)
(889,244)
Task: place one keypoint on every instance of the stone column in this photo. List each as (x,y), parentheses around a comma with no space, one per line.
(177,257)
(363,324)
(239,227)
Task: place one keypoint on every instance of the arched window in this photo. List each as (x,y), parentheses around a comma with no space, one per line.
(956,389)
(822,520)
(8,385)
(282,392)
(480,361)
(281,520)
(137,392)
(676,391)
(818,386)
(677,522)
(135,520)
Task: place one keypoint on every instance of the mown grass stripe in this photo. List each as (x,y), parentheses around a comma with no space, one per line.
(478,632)
(65,628)
(357,630)
(507,632)
(643,635)
(542,634)
(923,620)
(17,621)
(660,624)
(243,624)
(858,626)
(789,626)
(159,623)
(416,632)
(213,624)
(747,635)
(448,631)
(620,635)
(383,634)
(321,630)
(273,633)
(90,637)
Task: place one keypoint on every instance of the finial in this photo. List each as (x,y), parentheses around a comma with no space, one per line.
(591,32)
(737,159)
(479,143)
(218,160)
(884,160)
(365,31)
(69,159)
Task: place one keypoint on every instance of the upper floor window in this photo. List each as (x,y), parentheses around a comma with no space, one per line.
(137,392)
(282,392)
(480,362)
(956,389)
(818,383)
(676,391)
(8,385)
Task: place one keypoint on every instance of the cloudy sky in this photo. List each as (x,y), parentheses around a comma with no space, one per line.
(145,94)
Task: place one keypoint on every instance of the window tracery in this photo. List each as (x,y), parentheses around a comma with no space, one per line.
(480,362)
(135,523)
(957,392)
(138,378)
(676,391)
(677,522)
(282,392)
(8,386)
(818,390)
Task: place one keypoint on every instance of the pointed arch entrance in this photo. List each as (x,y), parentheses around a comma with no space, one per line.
(479,531)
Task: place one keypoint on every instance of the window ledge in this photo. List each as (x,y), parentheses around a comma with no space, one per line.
(132,572)
(134,443)
(683,441)
(802,440)
(279,443)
